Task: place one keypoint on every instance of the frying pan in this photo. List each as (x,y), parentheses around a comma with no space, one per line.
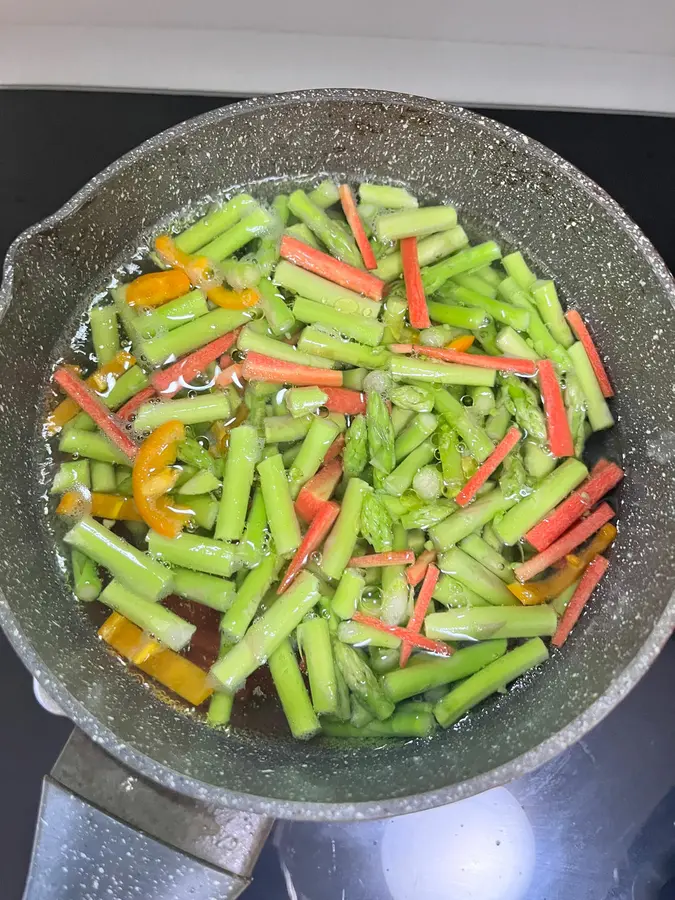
(505,186)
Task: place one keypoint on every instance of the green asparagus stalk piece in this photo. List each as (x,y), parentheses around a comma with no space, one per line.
(480,623)
(339,545)
(315,642)
(195,334)
(190,411)
(362,682)
(413,720)
(286,429)
(281,515)
(512,344)
(86,581)
(380,434)
(517,268)
(417,397)
(386,196)
(469,519)
(220,709)
(413,368)
(542,340)
(492,559)
(321,434)
(192,551)
(418,222)
(524,404)
(172,315)
(575,403)
(325,194)
(402,684)
(429,250)
(214,223)
(597,409)
(355,454)
(249,597)
(293,695)
(279,317)
(402,476)
(358,328)
(70,475)
(474,282)
(242,457)
(488,680)
(165,626)
(419,429)
(313,287)
(359,715)
(104,333)
(428,483)
(376,524)
(428,514)
(475,576)
(267,633)
(320,343)
(216,593)
(355,634)
(249,339)
(498,310)
(451,593)
(339,243)
(457,416)
(434,277)
(548,304)
(348,594)
(457,316)
(302,233)
(354,378)
(551,491)
(303,401)
(103,478)
(256,223)
(125,563)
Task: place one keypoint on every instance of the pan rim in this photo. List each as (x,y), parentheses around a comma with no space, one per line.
(343,811)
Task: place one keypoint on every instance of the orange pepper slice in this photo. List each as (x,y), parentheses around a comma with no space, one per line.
(99,381)
(222,431)
(101,506)
(172,670)
(200,271)
(461,343)
(156,288)
(535,592)
(155,455)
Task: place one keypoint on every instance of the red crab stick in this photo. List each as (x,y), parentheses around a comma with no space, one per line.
(499,363)
(582,333)
(180,374)
(417,640)
(604,476)
(317,490)
(316,534)
(342,400)
(415,573)
(88,401)
(388,558)
(414,289)
(334,270)
(496,458)
(356,225)
(258,367)
(127,412)
(587,584)
(420,611)
(566,544)
(559,435)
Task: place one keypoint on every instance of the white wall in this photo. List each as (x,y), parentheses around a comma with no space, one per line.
(575,53)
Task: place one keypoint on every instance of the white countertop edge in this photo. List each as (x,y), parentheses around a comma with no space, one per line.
(247,62)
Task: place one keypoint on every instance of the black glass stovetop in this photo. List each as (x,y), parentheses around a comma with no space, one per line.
(599,820)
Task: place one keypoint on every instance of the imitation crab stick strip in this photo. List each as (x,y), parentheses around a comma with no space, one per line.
(582,333)
(536,592)
(169,381)
(342,400)
(130,408)
(92,404)
(318,489)
(98,380)
(335,449)
(420,610)
(231,374)
(354,221)
(495,459)
(566,544)
(388,558)
(499,363)
(316,534)
(604,476)
(402,634)
(557,425)
(258,367)
(331,269)
(589,581)
(414,289)
(415,573)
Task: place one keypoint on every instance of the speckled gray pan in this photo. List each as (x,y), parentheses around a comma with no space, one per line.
(505,186)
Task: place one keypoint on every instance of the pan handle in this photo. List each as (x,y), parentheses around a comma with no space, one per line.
(104,832)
